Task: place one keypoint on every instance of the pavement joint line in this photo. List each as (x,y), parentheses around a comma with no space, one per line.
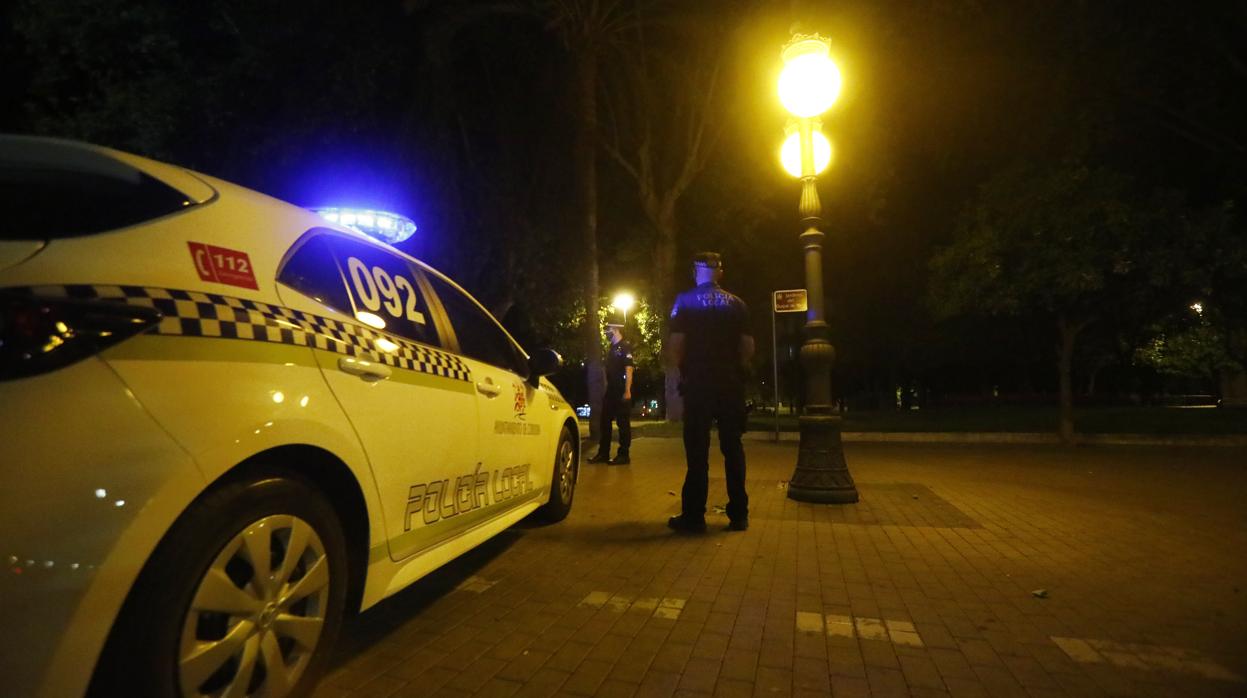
(1146,657)
(898,632)
(934,543)
(667,608)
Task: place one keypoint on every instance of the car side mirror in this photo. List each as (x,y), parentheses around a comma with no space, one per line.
(543,362)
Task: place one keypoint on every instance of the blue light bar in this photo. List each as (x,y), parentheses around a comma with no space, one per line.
(383,225)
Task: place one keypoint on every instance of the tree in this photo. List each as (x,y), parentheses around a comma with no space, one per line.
(1189,346)
(664,148)
(1070,243)
(587,29)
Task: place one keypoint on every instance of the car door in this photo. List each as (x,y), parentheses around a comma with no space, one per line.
(513,417)
(411,403)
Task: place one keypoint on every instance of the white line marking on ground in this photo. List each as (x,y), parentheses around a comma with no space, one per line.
(618,603)
(900,632)
(1146,657)
(808,622)
(840,626)
(647,604)
(668,608)
(871,629)
(596,599)
(1078,650)
(475,584)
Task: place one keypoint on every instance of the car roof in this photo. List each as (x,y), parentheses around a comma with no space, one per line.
(59,153)
(76,156)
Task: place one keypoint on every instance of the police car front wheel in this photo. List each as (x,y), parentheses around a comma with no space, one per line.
(244,597)
(563,482)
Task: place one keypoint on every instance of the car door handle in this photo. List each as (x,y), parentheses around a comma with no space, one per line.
(488,389)
(367,370)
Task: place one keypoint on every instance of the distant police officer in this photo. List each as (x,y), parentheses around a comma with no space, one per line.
(712,342)
(617,403)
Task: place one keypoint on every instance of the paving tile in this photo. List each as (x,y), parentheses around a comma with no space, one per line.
(569,656)
(672,657)
(876,653)
(774,682)
(921,587)
(524,666)
(545,682)
(497,688)
(886,682)
(699,675)
(616,689)
(587,678)
(378,687)
(610,647)
(477,674)
(810,674)
(733,688)
(921,672)
(658,684)
(850,687)
(431,680)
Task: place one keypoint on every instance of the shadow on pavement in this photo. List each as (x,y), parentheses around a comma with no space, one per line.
(363,630)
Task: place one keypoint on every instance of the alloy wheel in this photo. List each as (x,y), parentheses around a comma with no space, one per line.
(566,470)
(258,612)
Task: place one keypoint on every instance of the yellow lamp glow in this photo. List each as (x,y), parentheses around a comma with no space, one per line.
(810,81)
(623,301)
(790,153)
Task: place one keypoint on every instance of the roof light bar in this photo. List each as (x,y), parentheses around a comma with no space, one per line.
(383,225)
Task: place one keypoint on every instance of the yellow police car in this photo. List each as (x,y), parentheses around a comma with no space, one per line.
(225,421)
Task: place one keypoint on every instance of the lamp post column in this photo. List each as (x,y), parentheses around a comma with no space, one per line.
(821,475)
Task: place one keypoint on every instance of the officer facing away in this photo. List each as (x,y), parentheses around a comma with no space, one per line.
(712,343)
(617,403)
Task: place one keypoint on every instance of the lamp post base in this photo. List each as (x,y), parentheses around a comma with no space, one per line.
(822,476)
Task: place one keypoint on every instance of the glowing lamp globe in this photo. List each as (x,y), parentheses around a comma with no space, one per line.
(790,154)
(623,301)
(810,81)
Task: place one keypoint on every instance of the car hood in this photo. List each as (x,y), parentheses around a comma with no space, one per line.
(13,253)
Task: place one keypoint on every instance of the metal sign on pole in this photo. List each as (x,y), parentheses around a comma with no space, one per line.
(790,301)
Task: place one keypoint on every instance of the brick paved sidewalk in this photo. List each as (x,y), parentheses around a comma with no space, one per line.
(923,588)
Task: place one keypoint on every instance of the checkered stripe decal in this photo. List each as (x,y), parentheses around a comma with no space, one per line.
(197,314)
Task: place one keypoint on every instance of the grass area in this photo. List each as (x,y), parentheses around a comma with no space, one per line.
(1090,420)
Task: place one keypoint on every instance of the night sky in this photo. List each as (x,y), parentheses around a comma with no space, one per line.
(956,116)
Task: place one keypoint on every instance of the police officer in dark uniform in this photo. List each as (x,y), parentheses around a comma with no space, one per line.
(617,403)
(712,342)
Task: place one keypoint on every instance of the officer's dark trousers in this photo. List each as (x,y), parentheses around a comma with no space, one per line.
(701,410)
(615,410)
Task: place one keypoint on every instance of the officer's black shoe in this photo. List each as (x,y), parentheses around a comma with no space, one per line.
(621,458)
(600,458)
(737,525)
(685,525)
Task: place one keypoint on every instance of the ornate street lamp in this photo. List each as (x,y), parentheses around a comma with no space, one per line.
(808,85)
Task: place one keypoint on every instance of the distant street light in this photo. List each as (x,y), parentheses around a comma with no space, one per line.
(623,302)
(808,85)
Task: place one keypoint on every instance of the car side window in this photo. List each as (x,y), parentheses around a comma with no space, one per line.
(384,291)
(312,271)
(375,287)
(479,335)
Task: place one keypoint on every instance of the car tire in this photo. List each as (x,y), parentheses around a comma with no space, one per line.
(563,482)
(201,617)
